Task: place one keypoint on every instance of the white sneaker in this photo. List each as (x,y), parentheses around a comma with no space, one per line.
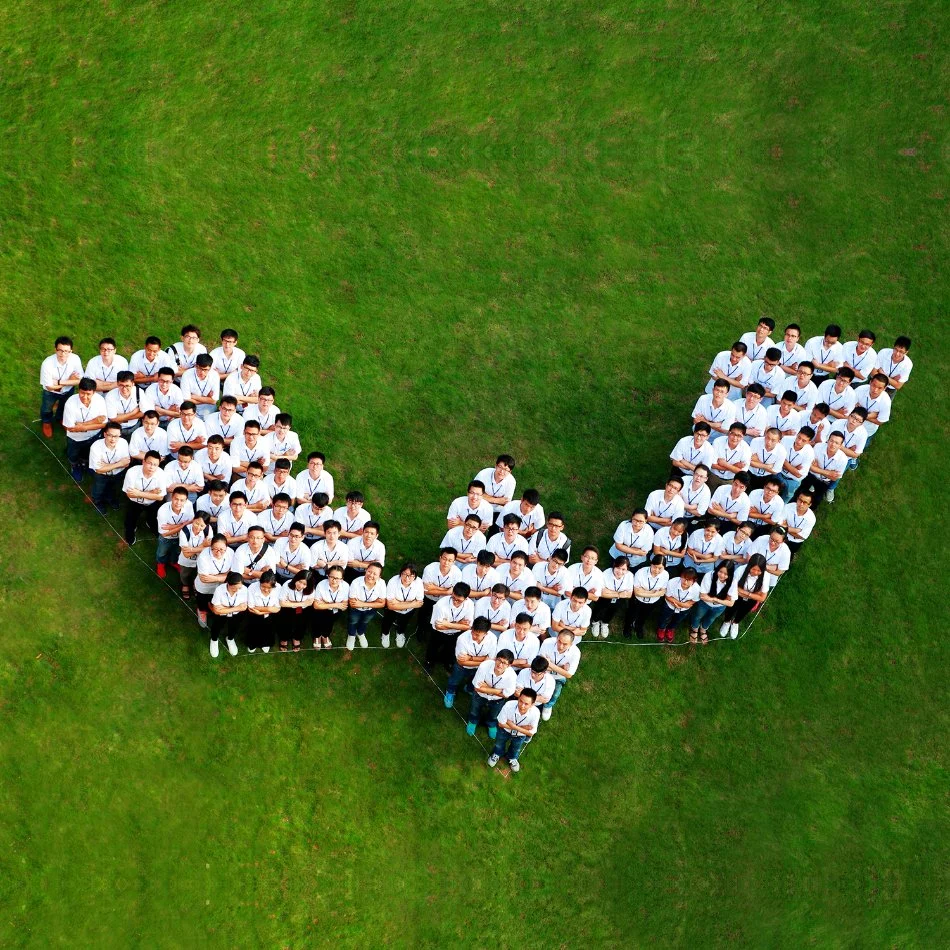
(604,631)
(364,643)
(214,648)
(400,640)
(265,649)
(385,641)
(734,631)
(514,765)
(350,642)
(252,649)
(232,647)
(724,631)
(492,761)
(546,713)
(830,497)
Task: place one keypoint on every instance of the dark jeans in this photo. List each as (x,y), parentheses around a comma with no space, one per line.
(509,744)
(670,619)
(358,621)
(440,647)
(134,512)
(230,627)
(460,675)
(637,615)
(52,405)
(105,489)
(78,452)
(167,550)
(399,621)
(484,709)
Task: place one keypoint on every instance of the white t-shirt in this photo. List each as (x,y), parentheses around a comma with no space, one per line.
(862,363)
(610,582)
(222,597)
(267,419)
(515,585)
(188,537)
(212,510)
(290,594)
(240,388)
(540,616)
(178,433)
(289,444)
(502,549)
(838,463)
(235,528)
(885,360)
(569,660)
(642,540)
(646,581)
(231,429)
(803,523)
(446,612)
(745,581)
(214,471)
(358,552)
(191,475)
(790,423)
(254,495)
(686,450)
(52,372)
(738,373)
(168,518)
(454,538)
(340,596)
(274,525)
(799,458)
(741,455)
(657,505)
(562,613)
(209,564)
(881,405)
(675,589)
(355,523)
(780,558)
(739,507)
(723,416)
(289,488)
(359,590)
(510,713)
(542,545)
(700,497)
(100,454)
(460,509)
(466,645)
(756,351)
(837,402)
(265,559)
(154,398)
(855,440)
(544,578)
(773,380)
(793,357)
(227,364)
(257,598)
(485,675)
(664,539)
(503,489)
(241,453)
(119,405)
(773,508)
(500,615)
(307,486)
(432,574)
(591,582)
(312,519)
(697,541)
(75,413)
(735,548)
(544,686)
(97,370)
(140,364)
(321,552)
(191,386)
(477,584)
(817,352)
(534,519)
(399,593)
(298,560)
(180,358)
(774,458)
(756,418)
(706,585)
(135,478)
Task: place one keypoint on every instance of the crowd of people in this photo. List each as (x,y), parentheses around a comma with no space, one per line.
(192,444)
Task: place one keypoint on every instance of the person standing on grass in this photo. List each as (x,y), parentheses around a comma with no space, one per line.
(105,367)
(108,459)
(545,543)
(331,550)
(649,587)
(228,603)
(404,596)
(767,373)
(784,416)
(438,579)
(829,465)
(450,617)
(84,415)
(263,603)
(172,517)
(717,410)
(572,615)
(255,557)
(214,566)
(737,545)
(481,576)
(472,648)
(147,363)
(860,356)
(493,683)
(521,640)
(792,351)
(184,354)
(752,588)
(538,678)
(192,540)
(894,363)
(751,413)
(693,450)
(367,598)
(671,543)
(164,396)
(201,385)
(467,540)
(681,593)
(799,521)
(518,722)
(499,482)
(563,660)
(838,394)
(634,539)
(824,352)
(228,357)
(59,373)
(759,340)
(214,503)
(293,556)
(225,422)
(801,454)
(144,487)
(616,589)
(331,598)
(122,403)
(243,385)
(149,437)
(733,367)
(471,503)
(316,479)
(496,609)
(717,593)
(295,596)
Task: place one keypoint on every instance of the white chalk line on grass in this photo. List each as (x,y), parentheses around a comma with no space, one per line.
(504,772)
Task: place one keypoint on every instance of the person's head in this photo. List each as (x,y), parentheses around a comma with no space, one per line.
(474,493)
(234,581)
(282,425)
(280,504)
(522,625)
(710,529)
(720,391)
(63,347)
(857,417)
(532,598)
(756,565)
(688,577)
(265,399)
(237,502)
(459,592)
(198,523)
(554,524)
(166,376)
(843,378)
(186,455)
(188,410)
(299,580)
(517,564)
(319,500)
(787,402)
(150,462)
(740,484)
(638,520)
(763,328)
(589,558)
(499,592)
(334,575)
(227,406)
(700,433)
(832,334)
(772,357)
(526,699)
(229,339)
(331,530)
(737,351)
(802,502)
(255,538)
(804,435)
(217,491)
(900,348)
(219,544)
(656,564)
(877,385)
(700,476)
(578,598)
(255,472)
(374,570)
(565,640)
(470,525)
(87,389)
(252,432)
(835,441)
(744,531)
(793,334)
(770,489)
(504,465)
(674,485)
(480,628)
(370,533)
(107,350)
(214,447)
(866,340)
(408,573)
(484,562)
(753,395)
(111,433)
(281,471)
(620,565)
(724,572)
(249,366)
(509,526)
(203,364)
(557,560)
(678,528)
(152,347)
(772,437)
(296,534)
(447,557)
(737,433)
(503,659)
(354,503)
(125,380)
(179,497)
(806,369)
(530,498)
(539,666)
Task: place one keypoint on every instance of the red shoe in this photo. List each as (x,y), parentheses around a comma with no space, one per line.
(160,570)
(755,608)
(47,430)
(669,635)
(661,635)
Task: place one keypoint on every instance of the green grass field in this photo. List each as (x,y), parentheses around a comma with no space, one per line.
(450,230)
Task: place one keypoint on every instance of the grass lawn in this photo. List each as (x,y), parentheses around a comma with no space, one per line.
(450,230)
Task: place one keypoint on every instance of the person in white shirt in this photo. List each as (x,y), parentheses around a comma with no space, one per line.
(187,429)
(800,455)
(504,544)
(331,549)
(792,352)
(544,543)
(192,541)
(828,467)
(876,403)
(784,416)
(551,577)
(799,521)
(352,516)
(367,599)
(284,442)
(472,648)
(693,450)
(295,597)
(733,456)
(536,677)
(314,517)
(681,594)
(703,548)
(163,396)
(184,354)
(649,587)
(471,503)
(734,367)
(838,394)
(615,590)
(214,565)
(737,545)
(517,721)
(766,507)
(252,487)
(894,363)
(773,548)
(404,596)
(201,385)
(634,538)
(751,413)
(671,543)
(450,617)
(363,550)
(314,479)
(108,461)
(759,340)
(213,502)
(228,603)
(59,373)
(495,609)
(481,576)
(572,615)
(280,481)
(277,519)
(144,487)
(563,658)
(264,410)
(245,384)
(227,357)
(249,446)
(494,682)
(717,410)
(499,482)
(730,503)
(236,521)
(665,505)
(860,356)
(122,403)
(263,605)
(824,352)
(175,515)
(148,362)
(806,392)
(855,436)
(768,457)
(331,598)
(528,510)
(293,556)
(105,367)
(255,556)
(522,641)
(186,473)
(214,461)
(696,494)
(84,415)
(225,422)
(717,592)
(768,374)
(467,540)
(586,574)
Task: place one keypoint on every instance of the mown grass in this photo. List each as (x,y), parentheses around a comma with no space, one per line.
(451,230)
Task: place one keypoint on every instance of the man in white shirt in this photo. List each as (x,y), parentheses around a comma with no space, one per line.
(472,648)
(827,468)
(766,507)
(451,615)
(252,487)
(214,462)
(147,362)
(481,576)
(504,544)
(59,373)
(730,502)
(284,442)
(634,538)
(314,479)
(838,393)
(799,521)
(280,481)
(187,429)
(331,549)
(172,517)
(122,403)
(201,385)
(572,615)
(563,658)
(108,460)
(797,465)
(184,472)
(696,494)
(521,640)
(227,357)
(144,487)
(855,436)
(516,576)
(551,578)
(499,482)
(876,403)
(693,450)
(264,410)
(792,352)
(293,555)
(759,340)
(544,543)
(495,608)
(363,550)
(352,516)
(467,540)
(105,367)
(225,422)
(733,456)
(255,556)
(149,437)
(784,416)
(236,521)
(895,364)
(768,457)
(517,721)
(249,446)
(228,604)
(367,599)
(704,547)
(536,677)
(664,505)
(245,384)
(768,374)
(213,503)
(860,356)
(751,413)
(824,353)
(404,596)
(806,392)
(163,396)
(734,367)
(586,574)
(184,354)
(438,579)
(528,510)
(314,516)
(494,683)
(717,410)
(84,415)
(277,519)
(471,503)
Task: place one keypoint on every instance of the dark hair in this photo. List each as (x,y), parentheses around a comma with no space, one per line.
(461,589)
(448,549)
(773,353)
(63,341)
(282,464)
(166,371)
(717,590)
(506,460)
(742,478)
(255,465)
(253,361)
(768,321)
(702,466)
(789,395)
(702,427)
(739,427)
(190,328)
(860,411)
(107,339)
(253,528)
(757,389)
(252,424)
(484,557)
(204,359)
(268,577)
(531,495)
(580,593)
(474,519)
(233,578)
(87,385)
(316,455)
(229,332)
(298,526)
(266,391)
(532,591)
(110,425)
(152,341)
(807,364)
(237,496)
(371,524)
(187,404)
(793,326)
(331,523)
(187,451)
(540,664)
(559,554)
(881,377)
(689,574)
(152,454)
(216,485)
(320,498)
(720,384)
(511,518)
(150,414)
(529,693)
(125,376)
(505,655)
(846,372)
(739,347)
(180,490)
(481,623)
(903,341)
(354,496)
(284,418)
(807,431)
(868,335)
(833,330)
(230,400)
(523,618)
(757,560)
(655,559)
(519,556)
(475,483)
(500,589)
(281,496)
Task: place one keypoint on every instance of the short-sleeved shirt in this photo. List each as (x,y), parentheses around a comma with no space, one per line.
(697,541)
(466,645)
(340,598)
(527,720)
(74,413)
(232,429)
(838,463)
(355,523)
(486,675)
(307,486)
(503,489)
(642,540)
(298,560)
(697,497)
(460,509)
(432,574)
(137,479)
(526,649)
(227,364)
(755,418)
(52,372)
(658,507)
(740,456)
(773,508)
(119,405)
(646,581)
(802,523)
(101,454)
(881,405)
(478,583)
(781,557)
(544,687)
(837,402)
(265,559)
(686,450)
(675,589)
(500,615)
(399,593)
(168,518)
(97,370)
(446,612)
(723,416)
(735,507)
(533,521)
(756,351)
(902,369)
(799,458)
(208,564)
(774,457)
(214,471)
(569,660)
(817,352)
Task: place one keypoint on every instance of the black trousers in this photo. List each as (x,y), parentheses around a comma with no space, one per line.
(259,630)
(322,622)
(424,620)
(637,615)
(604,610)
(229,627)
(399,621)
(440,648)
(134,512)
(816,488)
(739,610)
(292,623)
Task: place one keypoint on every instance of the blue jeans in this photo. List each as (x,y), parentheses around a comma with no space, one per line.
(460,675)
(166,552)
(105,489)
(509,744)
(484,708)
(558,686)
(78,453)
(703,615)
(788,486)
(358,621)
(49,401)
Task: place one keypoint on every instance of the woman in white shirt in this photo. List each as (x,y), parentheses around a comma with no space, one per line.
(263,603)
(295,596)
(752,589)
(716,593)
(213,565)
(192,540)
(671,543)
(649,588)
